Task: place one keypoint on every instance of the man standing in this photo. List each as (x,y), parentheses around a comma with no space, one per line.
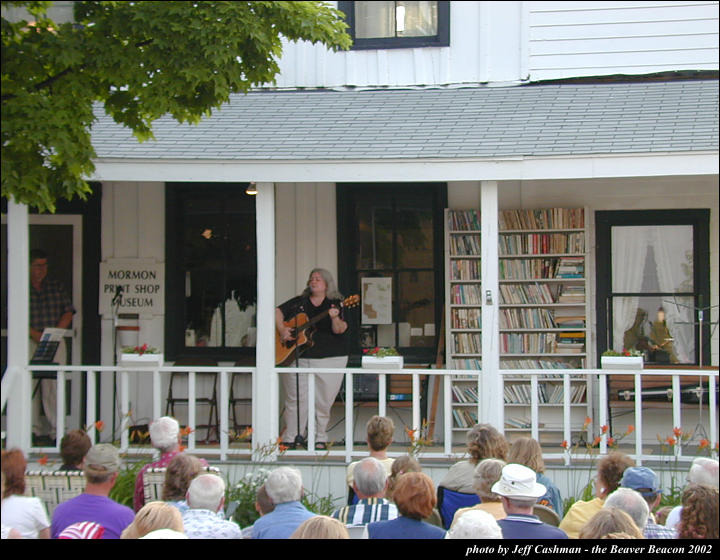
(369,484)
(284,487)
(519,491)
(102,465)
(205,498)
(50,307)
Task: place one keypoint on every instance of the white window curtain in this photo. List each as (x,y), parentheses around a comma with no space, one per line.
(628,248)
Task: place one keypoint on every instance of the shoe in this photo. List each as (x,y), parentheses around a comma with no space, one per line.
(320,446)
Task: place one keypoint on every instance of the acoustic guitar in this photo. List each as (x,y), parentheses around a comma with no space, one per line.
(303,329)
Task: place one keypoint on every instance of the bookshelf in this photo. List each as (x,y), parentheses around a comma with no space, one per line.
(543,311)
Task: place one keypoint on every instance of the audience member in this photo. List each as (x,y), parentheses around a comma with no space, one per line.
(609,473)
(180,472)
(415,498)
(632,503)
(475,524)
(165,437)
(369,484)
(285,489)
(401,465)
(703,470)
(646,482)
(152,517)
(25,514)
(73,448)
(102,465)
(380,430)
(662,514)
(7,531)
(484,442)
(699,515)
(519,491)
(263,505)
(487,473)
(527,451)
(610,523)
(321,527)
(205,498)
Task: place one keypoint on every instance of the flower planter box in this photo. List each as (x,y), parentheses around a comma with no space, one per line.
(621,362)
(141,360)
(388,362)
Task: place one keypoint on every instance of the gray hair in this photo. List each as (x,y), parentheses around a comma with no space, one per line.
(703,471)
(164,433)
(370,476)
(475,524)
(283,485)
(206,491)
(487,473)
(631,502)
(332,291)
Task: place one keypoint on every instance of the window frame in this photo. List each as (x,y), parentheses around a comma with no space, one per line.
(442,39)
(699,219)
(175,304)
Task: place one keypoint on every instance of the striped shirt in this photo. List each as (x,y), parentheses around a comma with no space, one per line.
(366,511)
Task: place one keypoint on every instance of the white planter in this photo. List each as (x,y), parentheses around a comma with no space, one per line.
(388,362)
(140,360)
(621,362)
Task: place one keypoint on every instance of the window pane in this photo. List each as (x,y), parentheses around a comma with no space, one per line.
(416,310)
(652,259)
(659,326)
(414,236)
(374,19)
(416,19)
(375,236)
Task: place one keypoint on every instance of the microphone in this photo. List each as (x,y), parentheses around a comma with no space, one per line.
(117,298)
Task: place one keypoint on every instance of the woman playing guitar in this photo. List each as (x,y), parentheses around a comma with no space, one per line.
(328,349)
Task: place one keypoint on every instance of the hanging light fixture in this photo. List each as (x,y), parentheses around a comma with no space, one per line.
(251,189)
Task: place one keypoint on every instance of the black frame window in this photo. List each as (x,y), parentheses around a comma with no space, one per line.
(654,302)
(211,271)
(397,25)
(394,231)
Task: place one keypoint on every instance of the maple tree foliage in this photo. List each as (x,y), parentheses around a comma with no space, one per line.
(138,60)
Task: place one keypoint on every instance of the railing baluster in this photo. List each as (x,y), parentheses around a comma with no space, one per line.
(349,419)
(310,412)
(222,404)
(416,404)
(191,410)
(382,395)
(676,414)
(534,414)
(60,408)
(638,419)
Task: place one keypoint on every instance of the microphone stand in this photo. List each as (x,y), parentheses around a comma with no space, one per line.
(299,440)
(116,301)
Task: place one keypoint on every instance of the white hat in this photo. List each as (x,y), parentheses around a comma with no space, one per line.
(518,481)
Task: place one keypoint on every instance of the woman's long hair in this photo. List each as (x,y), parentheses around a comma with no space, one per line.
(332,291)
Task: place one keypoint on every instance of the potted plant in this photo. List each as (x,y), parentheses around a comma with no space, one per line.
(627,359)
(140,356)
(383,358)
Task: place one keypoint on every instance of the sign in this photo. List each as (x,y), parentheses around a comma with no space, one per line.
(132,286)
(376,301)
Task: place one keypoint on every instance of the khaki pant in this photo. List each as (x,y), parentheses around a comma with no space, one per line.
(327,386)
(48,395)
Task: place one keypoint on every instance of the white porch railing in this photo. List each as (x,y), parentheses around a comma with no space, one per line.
(225,449)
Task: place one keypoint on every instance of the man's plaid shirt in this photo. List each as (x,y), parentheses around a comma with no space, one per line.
(366,511)
(48,304)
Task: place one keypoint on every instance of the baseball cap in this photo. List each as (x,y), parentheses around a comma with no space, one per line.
(104,455)
(641,479)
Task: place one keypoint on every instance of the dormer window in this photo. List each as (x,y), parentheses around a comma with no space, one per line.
(392,25)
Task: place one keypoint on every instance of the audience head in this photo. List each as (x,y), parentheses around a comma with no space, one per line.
(380,430)
(699,514)
(645,482)
(527,451)
(485,442)
(165,434)
(152,517)
(414,495)
(180,472)
(662,514)
(369,478)
(206,491)
(401,465)
(610,523)
(263,503)
(609,472)
(632,503)
(487,473)
(13,468)
(102,464)
(321,527)
(703,471)
(73,448)
(475,524)
(519,488)
(283,485)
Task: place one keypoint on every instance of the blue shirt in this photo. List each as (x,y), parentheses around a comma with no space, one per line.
(404,528)
(520,526)
(281,522)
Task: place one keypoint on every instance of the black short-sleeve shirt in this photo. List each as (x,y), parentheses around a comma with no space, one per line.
(326,344)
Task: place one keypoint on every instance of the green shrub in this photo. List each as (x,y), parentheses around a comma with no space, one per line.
(124,489)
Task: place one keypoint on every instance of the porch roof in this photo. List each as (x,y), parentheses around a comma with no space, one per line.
(432,124)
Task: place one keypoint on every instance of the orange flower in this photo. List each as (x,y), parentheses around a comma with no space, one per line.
(596,441)
(410,433)
(704,443)
(611,441)
(564,444)
(604,429)
(99,425)
(630,429)
(588,421)
(43,460)
(678,432)
(282,448)
(670,441)
(182,448)
(186,431)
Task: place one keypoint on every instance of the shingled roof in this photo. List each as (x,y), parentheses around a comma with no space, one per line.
(479,122)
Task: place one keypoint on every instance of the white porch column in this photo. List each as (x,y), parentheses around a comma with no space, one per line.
(491,395)
(19,418)
(265,387)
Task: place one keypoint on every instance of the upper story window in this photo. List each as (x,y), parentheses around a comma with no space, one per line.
(392,25)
